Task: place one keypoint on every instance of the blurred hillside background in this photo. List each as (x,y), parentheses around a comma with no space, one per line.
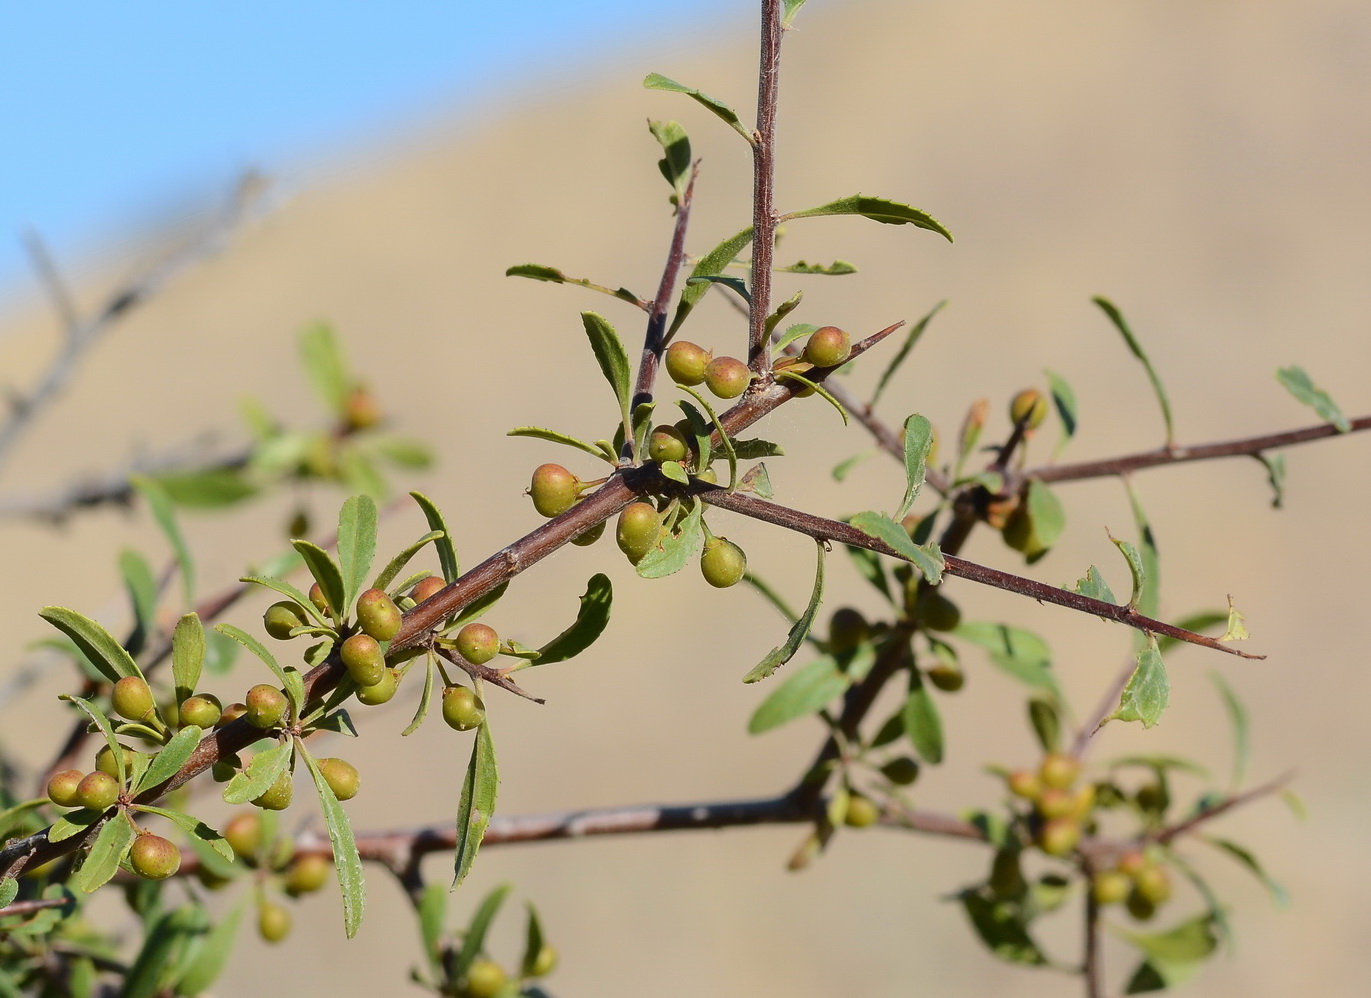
(1203,165)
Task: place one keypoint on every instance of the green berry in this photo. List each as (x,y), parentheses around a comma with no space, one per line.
(485,979)
(202,710)
(462,708)
(1055,803)
(97,791)
(727,377)
(639,527)
(589,537)
(478,643)
(273,922)
(133,699)
(153,857)
(847,628)
(1153,883)
(1110,887)
(1139,907)
(231,713)
(361,655)
(936,612)
(545,962)
(862,812)
(723,563)
(686,362)
(946,677)
(708,475)
(281,618)
(901,771)
(224,770)
(317,597)
(62,787)
(307,874)
(266,706)
(381,692)
(1024,783)
(244,834)
(828,346)
(378,615)
(1028,407)
(1152,798)
(553,489)
(1059,770)
(342,777)
(1059,836)
(1021,533)
(666,443)
(361,411)
(279,795)
(106,763)
(427,587)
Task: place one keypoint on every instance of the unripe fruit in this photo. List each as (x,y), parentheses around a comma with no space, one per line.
(1059,770)
(381,692)
(1024,783)
(936,612)
(361,411)
(244,834)
(828,346)
(1084,800)
(723,563)
(1029,406)
(727,377)
(946,677)
(847,628)
(224,770)
(279,795)
(667,444)
(553,489)
(1055,803)
(686,362)
(307,874)
(638,529)
(1153,883)
(1110,887)
(589,537)
(153,857)
(708,475)
(132,698)
(202,710)
(97,791)
(1059,837)
(378,615)
(427,587)
(462,708)
(62,787)
(1020,533)
(545,962)
(1140,908)
(281,618)
(273,922)
(1134,862)
(266,706)
(231,713)
(342,777)
(485,979)
(361,654)
(1152,797)
(478,643)
(901,771)
(862,812)
(317,597)
(210,880)
(105,761)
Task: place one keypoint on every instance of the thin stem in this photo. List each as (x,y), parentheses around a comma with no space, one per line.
(1093,964)
(764,192)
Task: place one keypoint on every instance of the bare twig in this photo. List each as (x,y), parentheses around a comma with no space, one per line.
(764,193)
(1092,968)
(1187,826)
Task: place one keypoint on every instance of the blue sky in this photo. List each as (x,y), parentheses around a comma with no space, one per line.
(114,113)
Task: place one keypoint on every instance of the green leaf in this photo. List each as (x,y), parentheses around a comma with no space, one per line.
(102,722)
(142,589)
(111,844)
(656,81)
(170,758)
(837,268)
(478,608)
(1046,514)
(1237,714)
(1022,654)
(927,558)
(1116,317)
(613,361)
(701,429)
(755,449)
(712,262)
(326,366)
(213,955)
(196,828)
(735,284)
(1065,401)
(1275,475)
(675,164)
(1237,624)
(922,722)
(295,595)
(187,654)
(159,503)
(425,699)
(96,643)
(432,910)
(552,436)
(538,272)
(772,597)
(674,471)
(805,691)
(327,573)
(844,468)
(20,818)
(777,657)
(211,488)
(823,393)
(1092,584)
(1279,895)
(1144,698)
(474,939)
(590,623)
(289,678)
(356,545)
(346,862)
(1003,928)
(1046,723)
(533,942)
(477,803)
(1173,955)
(876,209)
(167,942)
(73,823)
(1299,384)
(789,8)
(918,438)
(1149,602)
(757,481)
(910,339)
(447,552)
(1135,568)
(676,548)
(407,452)
(726,442)
(397,564)
(261,772)
(9,890)
(796,332)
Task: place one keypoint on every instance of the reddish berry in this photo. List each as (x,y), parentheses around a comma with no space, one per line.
(727,377)
(686,362)
(553,489)
(153,857)
(361,655)
(378,615)
(62,787)
(478,643)
(427,587)
(97,791)
(828,346)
